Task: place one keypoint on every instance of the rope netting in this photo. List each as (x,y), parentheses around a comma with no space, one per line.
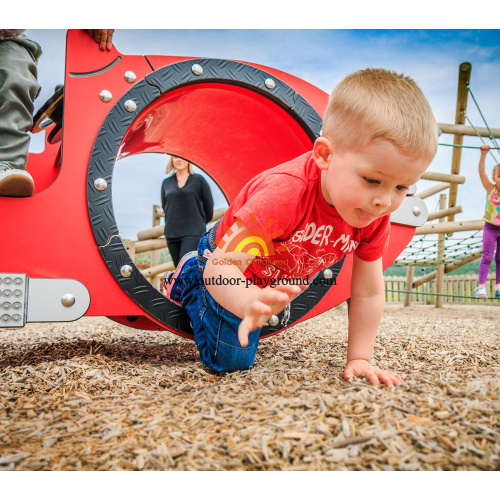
(423,250)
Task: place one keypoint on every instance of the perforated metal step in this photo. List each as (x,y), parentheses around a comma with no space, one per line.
(13,300)
(37,300)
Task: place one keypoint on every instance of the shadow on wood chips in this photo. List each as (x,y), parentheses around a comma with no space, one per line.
(154,354)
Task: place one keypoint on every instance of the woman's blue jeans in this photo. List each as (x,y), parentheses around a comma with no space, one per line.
(215,328)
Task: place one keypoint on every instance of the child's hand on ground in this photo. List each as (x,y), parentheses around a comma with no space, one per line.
(266,302)
(484,149)
(361,367)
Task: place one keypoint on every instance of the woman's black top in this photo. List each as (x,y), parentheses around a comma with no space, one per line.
(187,209)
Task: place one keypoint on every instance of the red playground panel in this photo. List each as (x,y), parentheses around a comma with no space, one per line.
(234,119)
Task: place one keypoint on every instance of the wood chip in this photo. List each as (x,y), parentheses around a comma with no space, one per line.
(96,395)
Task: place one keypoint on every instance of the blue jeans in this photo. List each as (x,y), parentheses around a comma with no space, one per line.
(215,328)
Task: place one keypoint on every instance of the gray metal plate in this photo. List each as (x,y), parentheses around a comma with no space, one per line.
(13,300)
(412,212)
(45,300)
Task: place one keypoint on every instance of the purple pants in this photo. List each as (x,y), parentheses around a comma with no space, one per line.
(491,236)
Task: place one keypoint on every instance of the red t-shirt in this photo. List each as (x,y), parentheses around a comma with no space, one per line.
(293,228)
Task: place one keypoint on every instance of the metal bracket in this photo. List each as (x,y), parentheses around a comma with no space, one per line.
(35,300)
(412,212)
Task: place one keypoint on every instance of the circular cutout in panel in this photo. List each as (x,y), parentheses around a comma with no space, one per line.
(137,183)
(226,119)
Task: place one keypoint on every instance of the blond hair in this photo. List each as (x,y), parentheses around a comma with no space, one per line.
(170,165)
(495,168)
(377,104)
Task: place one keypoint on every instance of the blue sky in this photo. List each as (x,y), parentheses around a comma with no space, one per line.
(322,57)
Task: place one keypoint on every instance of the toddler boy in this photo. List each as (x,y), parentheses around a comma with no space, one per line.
(379,135)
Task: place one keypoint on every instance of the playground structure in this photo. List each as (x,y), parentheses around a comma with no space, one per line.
(448,252)
(117,105)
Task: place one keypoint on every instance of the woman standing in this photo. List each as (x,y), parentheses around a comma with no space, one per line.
(188,205)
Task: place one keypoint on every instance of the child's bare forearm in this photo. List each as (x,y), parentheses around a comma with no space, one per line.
(485,181)
(236,293)
(364,319)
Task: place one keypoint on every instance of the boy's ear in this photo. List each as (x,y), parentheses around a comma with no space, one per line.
(322,150)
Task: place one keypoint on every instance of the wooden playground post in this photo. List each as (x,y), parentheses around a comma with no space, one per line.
(458,139)
(130,247)
(440,257)
(155,254)
(409,284)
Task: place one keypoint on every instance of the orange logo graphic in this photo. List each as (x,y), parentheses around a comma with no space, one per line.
(252,240)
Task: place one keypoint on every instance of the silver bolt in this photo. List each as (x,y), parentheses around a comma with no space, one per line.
(68,299)
(130,105)
(100,184)
(196,69)
(129,76)
(270,83)
(126,271)
(416,211)
(105,95)
(327,273)
(274,320)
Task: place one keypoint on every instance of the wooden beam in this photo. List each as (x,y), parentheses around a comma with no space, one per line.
(150,245)
(150,233)
(162,268)
(448,128)
(447,227)
(463,262)
(438,176)
(458,139)
(448,268)
(433,190)
(444,213)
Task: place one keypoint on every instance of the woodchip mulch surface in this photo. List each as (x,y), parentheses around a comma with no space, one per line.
(96,395)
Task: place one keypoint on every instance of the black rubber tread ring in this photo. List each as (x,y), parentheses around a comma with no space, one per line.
(105,151)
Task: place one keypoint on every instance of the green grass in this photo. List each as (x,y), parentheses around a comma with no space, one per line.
(470,268)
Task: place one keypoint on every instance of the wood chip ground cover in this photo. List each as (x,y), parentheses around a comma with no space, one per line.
(96,395)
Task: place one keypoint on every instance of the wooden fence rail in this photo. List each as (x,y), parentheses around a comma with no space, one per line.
(457,290)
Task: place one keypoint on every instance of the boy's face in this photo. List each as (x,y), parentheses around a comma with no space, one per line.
(369,183)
